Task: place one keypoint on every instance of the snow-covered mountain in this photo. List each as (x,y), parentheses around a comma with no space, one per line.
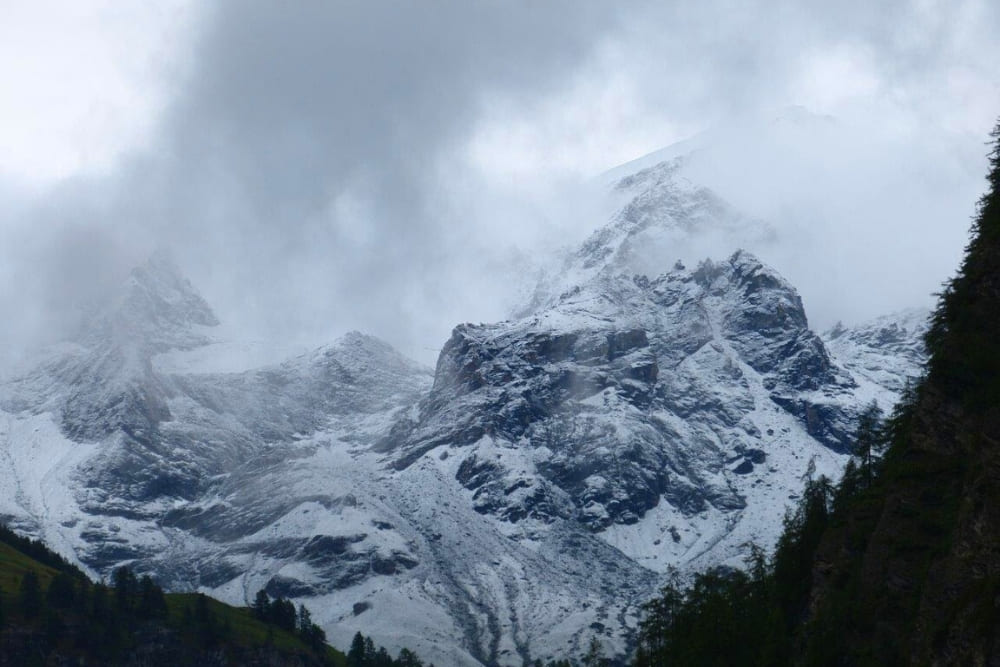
(887,350)
(525,496)
(136,449)
(662,216)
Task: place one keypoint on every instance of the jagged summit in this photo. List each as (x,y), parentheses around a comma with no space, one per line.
(161,281)
(155,310)
(105,382)
(633,394)
(662,217)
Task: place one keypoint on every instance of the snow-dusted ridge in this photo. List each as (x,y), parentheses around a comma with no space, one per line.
(887,351)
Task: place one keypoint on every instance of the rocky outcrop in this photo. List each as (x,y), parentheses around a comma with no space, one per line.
(629,391)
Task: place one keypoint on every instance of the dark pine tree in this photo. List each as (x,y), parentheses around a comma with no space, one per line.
(262,605)
(99,606)
(868,439)
(408,658)
(61,593)
(126,586)
(381,658)
(152,603)
(356,656)
(595,654)
(282,613)
(29,596)
(205,622)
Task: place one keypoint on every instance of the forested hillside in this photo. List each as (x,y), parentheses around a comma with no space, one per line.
(900,563)
(51,613)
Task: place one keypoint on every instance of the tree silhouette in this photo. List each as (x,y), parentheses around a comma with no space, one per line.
(29,596)
(868,439)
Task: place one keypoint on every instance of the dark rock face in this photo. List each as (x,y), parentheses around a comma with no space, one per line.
(628,390)
(828,422)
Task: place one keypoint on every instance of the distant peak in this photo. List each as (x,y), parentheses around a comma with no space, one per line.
(358,341)
(160,280)
(156,309)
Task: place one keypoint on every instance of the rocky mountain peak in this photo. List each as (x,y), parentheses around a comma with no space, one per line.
(155,310)
(657,382)
(662,216)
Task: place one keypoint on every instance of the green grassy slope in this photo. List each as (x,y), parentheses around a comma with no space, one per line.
(77,631)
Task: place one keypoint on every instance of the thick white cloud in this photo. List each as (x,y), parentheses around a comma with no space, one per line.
(83,82)
(390,166)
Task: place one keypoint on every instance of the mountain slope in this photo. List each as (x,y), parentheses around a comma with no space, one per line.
(701,395)
(887,351)
(112,457)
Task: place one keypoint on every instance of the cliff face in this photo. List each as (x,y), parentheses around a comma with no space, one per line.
(629,391)
(913,573)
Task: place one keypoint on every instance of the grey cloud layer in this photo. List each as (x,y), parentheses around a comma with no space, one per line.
(306,176)
(308,144)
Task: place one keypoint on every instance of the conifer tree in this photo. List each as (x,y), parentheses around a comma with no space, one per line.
(152,603)
(381,658)
(868,439)
(61,593)
(205,621)
(595,654)
(126,585)
(99,605)
(356,653)
(408,658)
(29,595)
(305,620)
(262,605)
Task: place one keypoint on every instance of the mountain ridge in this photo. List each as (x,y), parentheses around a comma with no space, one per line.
(527,496)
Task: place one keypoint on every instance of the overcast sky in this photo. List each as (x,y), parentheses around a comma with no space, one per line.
(396,167)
